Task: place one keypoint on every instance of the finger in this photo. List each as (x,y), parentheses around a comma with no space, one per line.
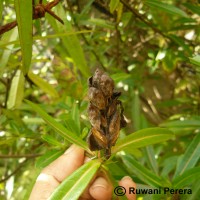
(101,189)
(56,172)
(62,167)
(127,183)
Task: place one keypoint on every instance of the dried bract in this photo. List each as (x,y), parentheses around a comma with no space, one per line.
(105,113)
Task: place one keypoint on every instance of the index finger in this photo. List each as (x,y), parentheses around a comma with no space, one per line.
(56,172)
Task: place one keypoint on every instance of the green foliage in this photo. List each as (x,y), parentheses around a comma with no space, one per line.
(24,20)
(151,50)
(143,138)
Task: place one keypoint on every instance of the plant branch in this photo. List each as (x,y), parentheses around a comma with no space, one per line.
(14,172)
(38,12)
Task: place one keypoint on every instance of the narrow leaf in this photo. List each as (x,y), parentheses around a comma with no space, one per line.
(135,110)
(195,60)
(48,158)
(3,43)
(113,5)
(16,92)
(143,138)
(74,185)
(7,40)
(24,20)
(151,160)
(76,115)
(1,10)
(117,77)
(71,125)
(4,141)
(180,124)
(195,8)
(71,42)
(168,165)
(143,173)
(71,137)
(190,157)
(44,85)
(195,190)
(171,9)
(51,140)
(187,178)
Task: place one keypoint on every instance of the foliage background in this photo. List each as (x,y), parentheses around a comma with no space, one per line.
(151,50)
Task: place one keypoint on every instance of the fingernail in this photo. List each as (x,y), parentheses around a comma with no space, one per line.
(100,182)
(87,159)
(128,178)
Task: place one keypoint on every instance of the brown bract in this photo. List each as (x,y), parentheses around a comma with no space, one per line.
(105,113)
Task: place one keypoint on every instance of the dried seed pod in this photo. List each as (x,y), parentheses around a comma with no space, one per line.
(94,116)
(96,97)
(106,85)
(96,140)
(96,78)
(114,128)
(104,122)
(105,113)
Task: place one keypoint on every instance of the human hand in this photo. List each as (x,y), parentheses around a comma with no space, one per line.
(52,175)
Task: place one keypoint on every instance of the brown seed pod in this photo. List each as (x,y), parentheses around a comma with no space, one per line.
(96,140)
(96,97)
(105,113)
(94,116)
(106,85)
(96,78)
(114,128)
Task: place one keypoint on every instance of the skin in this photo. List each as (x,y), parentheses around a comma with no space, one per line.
(52,175)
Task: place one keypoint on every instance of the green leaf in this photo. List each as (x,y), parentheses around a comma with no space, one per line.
(143,138)
(1,9)
(86,8)
(24,20)
(72,125)
(194,8)
(71,42)
(195,190)
(44,85)
(181,124)
(74,185)
(48,158)
(69,136)
(171,9)
(187,178)
(143,173)
(136,110)
(7,141)
(51,140)
(135,152)
(76,116)
(50,36)
(16,93)
(195,60)
(151,160)
(113,5)
(100,22)
(168,165)
(6,40)
(190,157)
(180,41)
(117,77)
